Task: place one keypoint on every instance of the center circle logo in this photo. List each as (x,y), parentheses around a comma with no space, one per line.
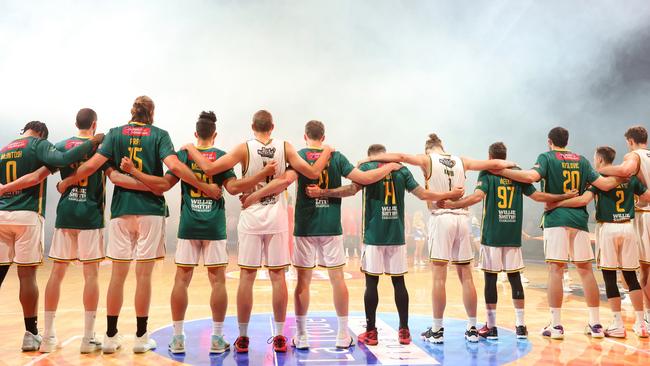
(321,327)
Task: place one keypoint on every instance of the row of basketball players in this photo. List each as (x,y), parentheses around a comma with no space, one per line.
(132,156)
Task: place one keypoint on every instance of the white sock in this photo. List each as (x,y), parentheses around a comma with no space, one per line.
(491,318)
(437,324)
(217,328)
(279,328)
(300,324)
(49,330)
(471,322)
(594,315)
(178,327)
(343,327)
(89,323)
(519,317)
(556,314)
(639,316)
(243,329)
(618,320)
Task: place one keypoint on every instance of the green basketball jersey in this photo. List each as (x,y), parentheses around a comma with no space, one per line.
(82,205)
(320,216)
(202,218)
(503,209)
(26,155)
(617,205)
(147,146)
(562,171)
(383,206)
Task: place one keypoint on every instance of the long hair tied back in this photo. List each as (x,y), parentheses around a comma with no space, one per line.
(142,110)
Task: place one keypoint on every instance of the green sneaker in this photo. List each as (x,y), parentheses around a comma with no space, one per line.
(218,344)
(177,345)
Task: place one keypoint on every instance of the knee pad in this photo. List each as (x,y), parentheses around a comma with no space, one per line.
(611,288)
(515,283)
(490,290)
(631,280)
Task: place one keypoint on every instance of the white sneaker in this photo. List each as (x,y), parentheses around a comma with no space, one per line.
(345,342)
(112,344)
(90,345)
(218,344)
(144,344)
(300,341)
(177,345)
(48,344)
(640,329)
(615,331)
(31,342)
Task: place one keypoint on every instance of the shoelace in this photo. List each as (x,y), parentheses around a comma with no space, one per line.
(242,342)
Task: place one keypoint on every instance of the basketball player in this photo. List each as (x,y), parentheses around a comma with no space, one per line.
(637,162)
(501,237)
(263,227)
(137,228)
(318,232)
(385,249)
(22,210)
(449,230)
(615,241)
(566,236)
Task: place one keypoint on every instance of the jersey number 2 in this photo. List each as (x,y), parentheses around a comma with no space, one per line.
(621,198)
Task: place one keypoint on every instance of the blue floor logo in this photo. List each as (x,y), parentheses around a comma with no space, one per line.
(322,331)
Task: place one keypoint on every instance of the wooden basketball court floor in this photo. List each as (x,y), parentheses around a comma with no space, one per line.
(576,349)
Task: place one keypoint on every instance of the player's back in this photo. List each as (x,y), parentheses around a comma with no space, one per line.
(320,216)
(447,172)
(643,175)
(562,171)
(81,206)
(17,159)
(147,146)
(270,215)
(617,205)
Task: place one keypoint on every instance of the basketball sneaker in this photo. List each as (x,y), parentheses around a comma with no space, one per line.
(404,336)
(218,345)
(640,329)
(31,342)
(556,332)
(432,336)
(48,344)
(595,331)
(177,345)
(369,338)
(112,344)
(471,334)
(615,331)
(279,343)
(344,343)
(489,333)
(241,344)
(521,331)
(90,345)
(300,341)
(143,344)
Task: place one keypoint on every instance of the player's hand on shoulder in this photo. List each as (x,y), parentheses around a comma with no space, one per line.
(456,192)
(509,164)
(329,148)
(98,138)
(496,171)
(270,168)
(313,191)
(126,165)
(187,146)
(395,166)
(214,191)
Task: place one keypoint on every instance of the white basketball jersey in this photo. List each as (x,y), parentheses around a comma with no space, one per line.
(447,172)
(643,174)
(270,215)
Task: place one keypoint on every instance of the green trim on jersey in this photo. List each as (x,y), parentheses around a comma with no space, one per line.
(383,206)
(502,209)
(26,155)
(561,170)
(617,205)
(81,206)
(320,216)
(147,146)
(202,218)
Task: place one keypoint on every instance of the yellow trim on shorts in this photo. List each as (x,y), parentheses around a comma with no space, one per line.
(6,263)
(96,260)
(249,267)
(568,261)
(216,265)
(301,267)
(149,260)
(54,259)
(185,265)
(438,260)
(332,267)
(385,273)
(504,271)
(34,264)
(644,262)
(278,267)
(618,268)
(468,261)
(120,260)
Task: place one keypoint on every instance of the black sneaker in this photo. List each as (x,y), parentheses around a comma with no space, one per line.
(489,333)
(436,337)
(522,332)
(471,335)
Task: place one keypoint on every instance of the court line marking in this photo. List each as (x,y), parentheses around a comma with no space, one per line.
(628,346)
(46,355)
